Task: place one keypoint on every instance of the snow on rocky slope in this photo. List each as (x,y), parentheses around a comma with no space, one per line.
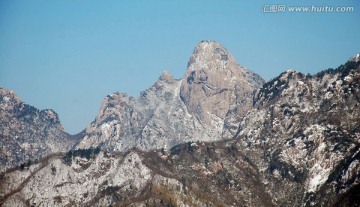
(192,174)
(304,131)
(27,133)
(299,145)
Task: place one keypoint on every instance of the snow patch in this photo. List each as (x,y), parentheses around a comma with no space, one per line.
(105,129)
(319,178)
(6,98)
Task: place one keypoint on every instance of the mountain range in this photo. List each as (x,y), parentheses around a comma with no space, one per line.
(219,136)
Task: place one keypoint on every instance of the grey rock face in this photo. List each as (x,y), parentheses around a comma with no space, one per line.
(27,133)
(215,88)
(207,104)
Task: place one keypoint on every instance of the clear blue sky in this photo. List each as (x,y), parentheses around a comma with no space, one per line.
(67,55)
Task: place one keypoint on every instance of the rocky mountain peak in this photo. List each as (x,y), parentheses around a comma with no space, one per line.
(310,123)
(214,78)
(112,104)
(8,99)
(11,104)
(356,58)
(27,133)
(210,99)
(210,56)
(167,77)
(288,73)
(51,114)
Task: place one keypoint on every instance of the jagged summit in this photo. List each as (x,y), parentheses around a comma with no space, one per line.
(209,55)
(204,44)
(288,74)
(355,58)
(211,44)
(8,97)
(290,71)
(113,103)
(214,78)
(27,133)
(208,45)
(10,102)
(166,76)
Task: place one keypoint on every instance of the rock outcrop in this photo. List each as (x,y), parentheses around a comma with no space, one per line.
(215,88)
(26,133)
(304,136)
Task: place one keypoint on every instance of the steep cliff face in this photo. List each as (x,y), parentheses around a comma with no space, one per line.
(207,104)
(27,133)
(216,88)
